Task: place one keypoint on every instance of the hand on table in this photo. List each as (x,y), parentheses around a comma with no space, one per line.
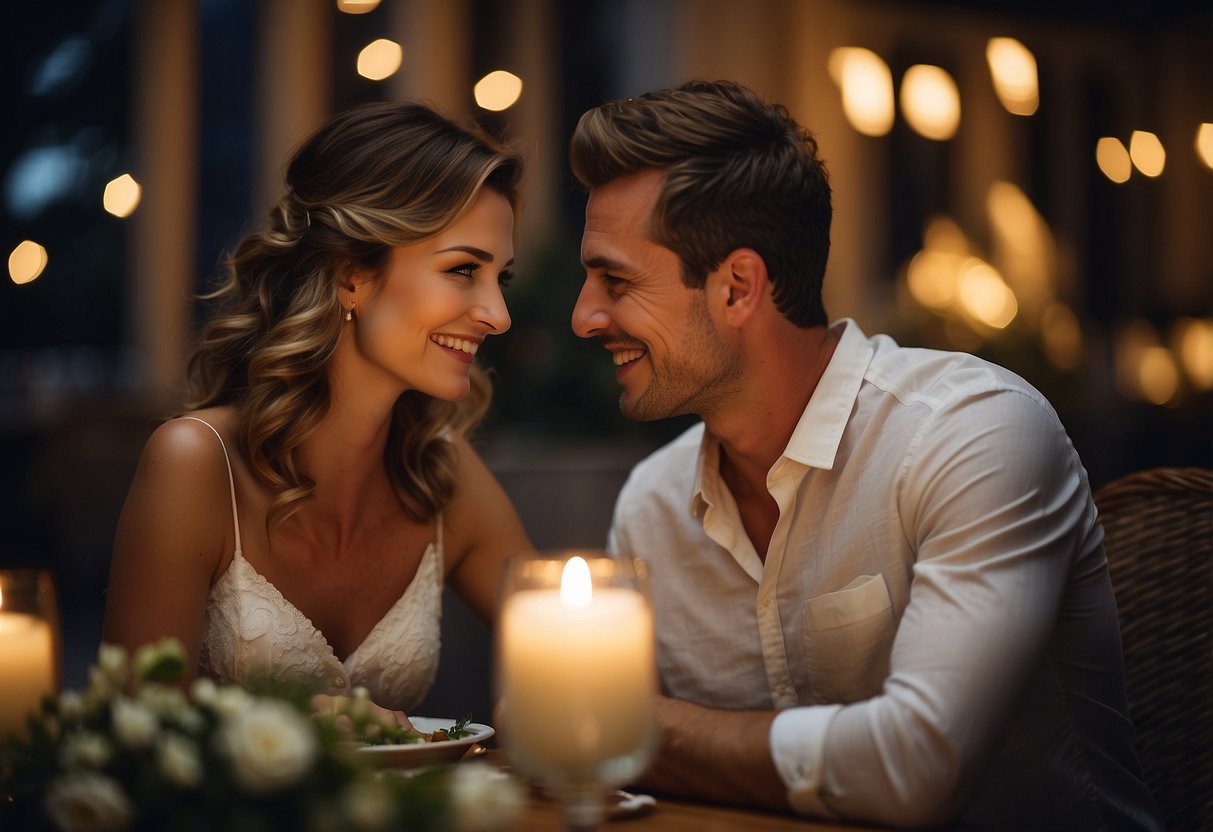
(351,713)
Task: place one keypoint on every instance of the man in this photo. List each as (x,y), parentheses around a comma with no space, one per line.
(879,582)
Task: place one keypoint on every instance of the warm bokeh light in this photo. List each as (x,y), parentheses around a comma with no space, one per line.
(1113,159)
(498,90)
(1204,143)
(1023,246)
(26,262)
(1157,376)
(985,296)
(930,101)
(866,85)
(357,6)
(1013,69)
(932,278)
(380,59)
(1147,153)
(1132,341)
(122,195)
(1192,341)
(1062,336)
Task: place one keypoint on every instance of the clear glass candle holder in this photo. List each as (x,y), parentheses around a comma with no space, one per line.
(29,646)
(576,676)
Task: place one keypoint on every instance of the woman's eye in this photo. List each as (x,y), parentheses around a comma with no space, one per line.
(504,279)
(465,269)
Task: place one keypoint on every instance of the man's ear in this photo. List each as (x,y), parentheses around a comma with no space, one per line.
(739,285)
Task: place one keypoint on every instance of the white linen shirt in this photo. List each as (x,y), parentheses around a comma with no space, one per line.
(933,615)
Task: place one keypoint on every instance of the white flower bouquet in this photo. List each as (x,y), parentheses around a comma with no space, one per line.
(136,752)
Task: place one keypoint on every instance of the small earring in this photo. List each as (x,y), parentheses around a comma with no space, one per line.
(349,314)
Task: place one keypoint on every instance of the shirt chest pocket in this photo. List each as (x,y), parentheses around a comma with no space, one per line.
(848,635)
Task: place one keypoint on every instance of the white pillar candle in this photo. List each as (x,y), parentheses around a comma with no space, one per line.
(577,674)
(27,668)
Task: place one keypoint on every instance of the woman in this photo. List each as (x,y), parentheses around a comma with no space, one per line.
(301,517)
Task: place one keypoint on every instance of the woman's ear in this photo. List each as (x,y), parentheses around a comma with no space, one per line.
(738,285)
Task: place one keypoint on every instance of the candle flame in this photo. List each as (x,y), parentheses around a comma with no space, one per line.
(575,588)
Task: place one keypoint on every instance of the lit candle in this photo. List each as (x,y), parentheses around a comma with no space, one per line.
(577,672)
(27,667)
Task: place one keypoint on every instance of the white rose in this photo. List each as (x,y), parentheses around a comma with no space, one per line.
(112,660)
(85,749)
(178,760)
(165,701)
(101,688)
(368,805)
(231,700)
(135,726)
(71,705)
(88,802)
(204,691)
(271,745)
(483,797)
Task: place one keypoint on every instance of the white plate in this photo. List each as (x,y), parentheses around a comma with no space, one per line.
(413,755)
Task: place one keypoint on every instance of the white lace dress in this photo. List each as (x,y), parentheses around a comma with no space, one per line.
(251,628)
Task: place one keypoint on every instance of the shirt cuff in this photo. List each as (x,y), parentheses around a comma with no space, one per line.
(798,742)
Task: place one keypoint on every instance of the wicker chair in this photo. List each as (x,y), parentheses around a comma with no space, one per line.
(1159,539)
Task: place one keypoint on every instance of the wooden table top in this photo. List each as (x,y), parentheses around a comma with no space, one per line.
(540,813)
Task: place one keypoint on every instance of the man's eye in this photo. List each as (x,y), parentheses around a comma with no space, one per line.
(465,269)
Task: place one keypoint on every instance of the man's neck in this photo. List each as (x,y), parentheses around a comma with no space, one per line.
(755,426)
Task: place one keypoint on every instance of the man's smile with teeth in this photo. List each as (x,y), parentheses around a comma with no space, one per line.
(624,356)
(462,344)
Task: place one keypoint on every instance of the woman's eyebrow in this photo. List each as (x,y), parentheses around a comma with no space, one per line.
(478,253)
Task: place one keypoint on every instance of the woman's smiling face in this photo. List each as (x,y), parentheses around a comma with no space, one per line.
(422,321)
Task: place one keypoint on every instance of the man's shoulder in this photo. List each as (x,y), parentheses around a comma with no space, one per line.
(939,377)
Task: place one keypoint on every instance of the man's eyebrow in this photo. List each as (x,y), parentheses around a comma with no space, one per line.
(604,263)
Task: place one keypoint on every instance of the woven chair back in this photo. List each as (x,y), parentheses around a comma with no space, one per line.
(1158,527)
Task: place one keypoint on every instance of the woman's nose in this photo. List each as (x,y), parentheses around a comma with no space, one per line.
(492,312)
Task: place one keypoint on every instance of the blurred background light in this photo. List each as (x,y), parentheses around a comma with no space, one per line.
(357,6)
(866,85)
(42,176)
(985,296)
(380,59)
(1061,336)
(1204,143)
(66,63)
(1158,376)
(1013,69)
(930,101)
(1113,159)
(122,195)
(498,90)
(1147,153)
(26,262)
(1192,341)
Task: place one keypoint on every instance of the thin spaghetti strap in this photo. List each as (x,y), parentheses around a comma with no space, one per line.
(231,481)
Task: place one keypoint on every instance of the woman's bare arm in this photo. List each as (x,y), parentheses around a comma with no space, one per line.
(483,529)
(175,526)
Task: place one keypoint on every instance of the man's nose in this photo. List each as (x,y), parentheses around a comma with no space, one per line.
(590,317)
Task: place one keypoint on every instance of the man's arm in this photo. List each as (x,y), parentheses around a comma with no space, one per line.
(713,755)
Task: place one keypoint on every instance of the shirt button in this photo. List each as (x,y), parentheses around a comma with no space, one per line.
(339,681)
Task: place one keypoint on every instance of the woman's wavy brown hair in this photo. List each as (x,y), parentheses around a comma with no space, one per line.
(376,176)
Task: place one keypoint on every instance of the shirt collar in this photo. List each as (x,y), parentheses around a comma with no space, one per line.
(817,435)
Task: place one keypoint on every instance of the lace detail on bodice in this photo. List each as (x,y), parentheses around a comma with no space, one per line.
(251,628)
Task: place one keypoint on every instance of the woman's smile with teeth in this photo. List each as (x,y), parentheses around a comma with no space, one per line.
(624,356)
(462,344)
